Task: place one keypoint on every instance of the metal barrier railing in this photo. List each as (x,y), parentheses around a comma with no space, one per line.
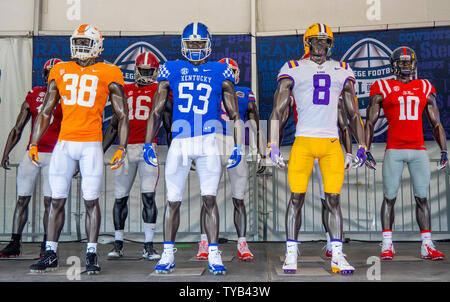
(266,199)
(74,218)
(361,199)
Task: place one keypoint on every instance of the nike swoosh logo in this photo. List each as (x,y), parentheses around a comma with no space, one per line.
(337,68)
(333,140)
(206,69)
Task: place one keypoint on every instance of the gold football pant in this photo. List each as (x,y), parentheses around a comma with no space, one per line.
(331,162)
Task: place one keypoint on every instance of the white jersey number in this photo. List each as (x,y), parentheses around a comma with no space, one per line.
(87,84)
(189,97)
(142,111)
(410,115)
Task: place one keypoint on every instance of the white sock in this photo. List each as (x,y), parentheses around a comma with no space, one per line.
(118,235)
(203,237)
(51,246)
(91,247)
(292,246)
(168,247)
(426,236)
(149,231)
(213,247)
(242,239)
(387,236)
(336,247)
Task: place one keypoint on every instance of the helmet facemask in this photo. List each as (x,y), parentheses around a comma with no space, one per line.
(195,50)
(404,66)
(144,75)
(319,46)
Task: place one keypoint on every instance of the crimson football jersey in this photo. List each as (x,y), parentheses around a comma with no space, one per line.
(35,99)
(403,105)
(140,101)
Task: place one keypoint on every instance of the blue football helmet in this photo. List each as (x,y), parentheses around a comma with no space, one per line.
(196,32)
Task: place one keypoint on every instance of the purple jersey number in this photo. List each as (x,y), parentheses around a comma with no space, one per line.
(322,83)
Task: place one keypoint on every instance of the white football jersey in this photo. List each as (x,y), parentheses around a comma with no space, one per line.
(316,93)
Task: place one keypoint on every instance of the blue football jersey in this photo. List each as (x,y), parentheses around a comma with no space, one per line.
(244,96)
(197,93)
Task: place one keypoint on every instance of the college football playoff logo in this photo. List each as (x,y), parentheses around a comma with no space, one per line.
(369,59)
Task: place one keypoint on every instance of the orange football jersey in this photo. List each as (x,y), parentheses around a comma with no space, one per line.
(84,93)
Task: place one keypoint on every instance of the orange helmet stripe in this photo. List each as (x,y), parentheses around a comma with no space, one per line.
(82,29)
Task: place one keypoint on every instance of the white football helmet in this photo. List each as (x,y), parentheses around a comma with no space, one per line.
(79,47)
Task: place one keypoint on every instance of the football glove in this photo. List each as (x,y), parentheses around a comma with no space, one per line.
(33,155)
(360,156)
(370,162)
(444,160)
(275,155)
(349,160)
(150,155)
(235,157)
(118,158)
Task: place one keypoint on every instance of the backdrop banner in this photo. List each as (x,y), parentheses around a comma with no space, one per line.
(368,54)
(122,51)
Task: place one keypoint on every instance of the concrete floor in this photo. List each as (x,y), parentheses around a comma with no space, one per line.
(264,268)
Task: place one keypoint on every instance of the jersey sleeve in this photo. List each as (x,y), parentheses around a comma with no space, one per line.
(428,88)
(55,73)
(376,89)
(116,75)
(251,96)
(349,75)
(286,70)
(165,72)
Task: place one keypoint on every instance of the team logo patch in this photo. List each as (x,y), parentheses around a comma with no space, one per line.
(369,60)
(240,94)
(184,71)
(396,88)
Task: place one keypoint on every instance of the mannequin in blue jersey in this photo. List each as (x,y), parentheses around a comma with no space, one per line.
(197,88)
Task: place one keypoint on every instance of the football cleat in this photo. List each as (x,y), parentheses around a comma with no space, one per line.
(202,250)
(149,252)
(11,250)
(167,262)
(327,249)
(429,251)
(290,263)
(48,263)
(387,250)
(117,250)
(339,265)
(92,267)
(244,253)
(216,266)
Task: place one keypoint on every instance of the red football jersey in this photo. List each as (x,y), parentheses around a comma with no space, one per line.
(403,105)
(140,101)
(35,99)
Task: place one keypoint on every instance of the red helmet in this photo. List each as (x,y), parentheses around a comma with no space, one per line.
(146,68)
(47,66)
(234,66)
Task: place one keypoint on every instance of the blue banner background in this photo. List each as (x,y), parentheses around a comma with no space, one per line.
(432,46)
(237,47)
